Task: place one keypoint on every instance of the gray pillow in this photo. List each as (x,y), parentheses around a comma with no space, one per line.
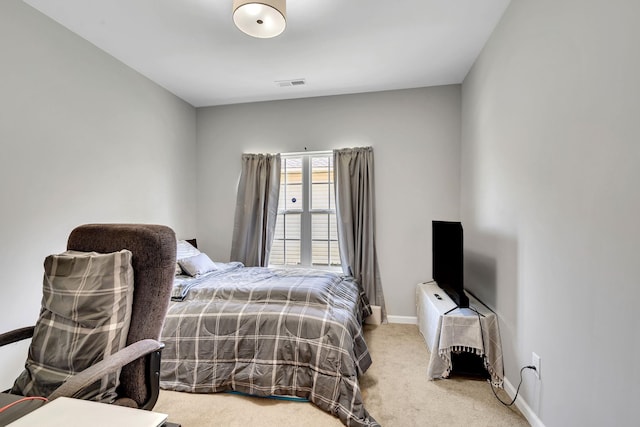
(184,249)
(85,315)
(196,265)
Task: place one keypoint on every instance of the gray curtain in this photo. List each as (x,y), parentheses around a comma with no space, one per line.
(256,209)
(355,211)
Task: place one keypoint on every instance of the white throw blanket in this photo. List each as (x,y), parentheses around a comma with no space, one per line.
(460,331)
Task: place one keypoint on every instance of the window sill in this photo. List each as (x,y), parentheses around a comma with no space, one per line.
(335,269)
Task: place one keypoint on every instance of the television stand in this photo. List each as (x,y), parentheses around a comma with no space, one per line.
(456,307)
(455,335)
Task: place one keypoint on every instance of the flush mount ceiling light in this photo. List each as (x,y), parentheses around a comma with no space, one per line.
(262,18)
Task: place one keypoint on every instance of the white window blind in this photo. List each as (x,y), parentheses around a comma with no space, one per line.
(306,233)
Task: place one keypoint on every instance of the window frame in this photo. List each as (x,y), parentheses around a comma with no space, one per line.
(306,213)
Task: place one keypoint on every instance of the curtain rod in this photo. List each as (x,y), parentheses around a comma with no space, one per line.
(299,153)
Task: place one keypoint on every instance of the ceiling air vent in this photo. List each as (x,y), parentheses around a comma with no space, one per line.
(290,83)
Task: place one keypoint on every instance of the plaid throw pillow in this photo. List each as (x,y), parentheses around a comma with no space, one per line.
(85,314)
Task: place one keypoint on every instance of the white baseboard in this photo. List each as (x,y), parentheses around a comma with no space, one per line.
(409,320)
(522,405)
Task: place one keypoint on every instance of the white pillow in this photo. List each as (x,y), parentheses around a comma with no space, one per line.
(185,250)
(196,265)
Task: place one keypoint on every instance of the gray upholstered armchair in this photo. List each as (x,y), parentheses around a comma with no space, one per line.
(153,249)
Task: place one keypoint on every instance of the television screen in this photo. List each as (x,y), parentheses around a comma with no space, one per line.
(448,260)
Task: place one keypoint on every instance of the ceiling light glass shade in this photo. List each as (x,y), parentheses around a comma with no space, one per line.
(262,18)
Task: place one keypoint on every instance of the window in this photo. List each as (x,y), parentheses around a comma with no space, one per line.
(306,233)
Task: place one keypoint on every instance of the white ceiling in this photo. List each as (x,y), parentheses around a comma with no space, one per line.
(192,48)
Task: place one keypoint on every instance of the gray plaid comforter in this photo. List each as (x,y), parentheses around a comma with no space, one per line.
(269,332)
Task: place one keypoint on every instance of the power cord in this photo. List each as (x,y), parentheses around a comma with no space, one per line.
(489,380)
(517,390)
(24,399)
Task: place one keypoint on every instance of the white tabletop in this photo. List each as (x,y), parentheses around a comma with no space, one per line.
(82,413)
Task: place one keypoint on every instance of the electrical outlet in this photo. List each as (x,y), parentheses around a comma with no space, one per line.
(535,361)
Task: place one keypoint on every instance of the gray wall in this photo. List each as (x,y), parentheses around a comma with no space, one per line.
(416,139)
(550,202)
(546,185)
(84,139)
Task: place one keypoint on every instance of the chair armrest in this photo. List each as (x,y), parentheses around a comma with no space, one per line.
(16,335)
(106,366)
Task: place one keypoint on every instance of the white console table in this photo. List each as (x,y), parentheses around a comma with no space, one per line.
(460,329)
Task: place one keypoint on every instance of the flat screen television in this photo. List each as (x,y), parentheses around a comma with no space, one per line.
(448,260)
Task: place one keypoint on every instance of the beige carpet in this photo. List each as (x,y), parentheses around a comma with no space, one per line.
(395,389)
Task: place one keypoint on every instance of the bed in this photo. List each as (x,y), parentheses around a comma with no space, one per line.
(288,333)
